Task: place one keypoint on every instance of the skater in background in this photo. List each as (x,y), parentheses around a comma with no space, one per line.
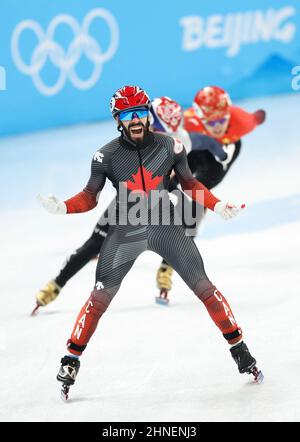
(140,162)
(209,161)
(213,115)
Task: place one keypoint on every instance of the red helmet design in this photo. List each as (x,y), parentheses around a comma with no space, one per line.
(212,103)
(167,113)
(128,97)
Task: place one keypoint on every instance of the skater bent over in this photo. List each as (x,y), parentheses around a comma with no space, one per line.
(216,129)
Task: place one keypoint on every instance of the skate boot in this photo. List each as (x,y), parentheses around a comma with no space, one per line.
(47,295)
(67,374)
(245,362)
(164,283)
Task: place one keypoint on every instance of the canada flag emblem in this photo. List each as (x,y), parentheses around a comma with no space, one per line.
(142,181)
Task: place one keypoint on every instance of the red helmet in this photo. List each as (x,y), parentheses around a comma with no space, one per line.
(128,97)
(167,114)
(212,103)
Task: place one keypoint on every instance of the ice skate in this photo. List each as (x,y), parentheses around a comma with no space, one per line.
(46,295)
(164,283)
(67,374)
(245,361)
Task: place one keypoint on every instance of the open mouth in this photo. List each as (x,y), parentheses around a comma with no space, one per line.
(136,130)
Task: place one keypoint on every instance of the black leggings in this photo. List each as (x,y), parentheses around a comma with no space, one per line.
(89,250)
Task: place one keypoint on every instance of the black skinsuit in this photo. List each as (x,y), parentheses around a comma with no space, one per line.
(205,169)
(138,170)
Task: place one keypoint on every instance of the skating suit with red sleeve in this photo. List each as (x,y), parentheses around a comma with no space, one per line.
(142,169)
(241,123)
(139,168)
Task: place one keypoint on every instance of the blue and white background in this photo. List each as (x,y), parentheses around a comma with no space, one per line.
(60,61)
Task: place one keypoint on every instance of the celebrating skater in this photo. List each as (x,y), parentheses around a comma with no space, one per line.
(139,164)
(166,117)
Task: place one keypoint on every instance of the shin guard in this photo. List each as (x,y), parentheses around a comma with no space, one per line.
(86,323)
(220,312)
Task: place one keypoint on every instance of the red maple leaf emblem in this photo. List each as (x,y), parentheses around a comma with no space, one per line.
(137,184)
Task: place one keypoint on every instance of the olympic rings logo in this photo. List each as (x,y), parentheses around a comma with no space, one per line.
(65,60)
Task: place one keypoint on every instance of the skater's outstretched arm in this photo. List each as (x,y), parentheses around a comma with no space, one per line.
(85,200)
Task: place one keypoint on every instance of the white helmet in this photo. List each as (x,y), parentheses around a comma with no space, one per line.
(166,115)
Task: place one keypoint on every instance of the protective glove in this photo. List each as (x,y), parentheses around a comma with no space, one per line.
(228,210)
(52,204)
(260,116)
(229,150)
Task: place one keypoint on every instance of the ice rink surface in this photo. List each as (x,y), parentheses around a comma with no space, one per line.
(147,362)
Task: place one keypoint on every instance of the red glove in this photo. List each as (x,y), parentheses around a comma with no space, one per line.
(260,116)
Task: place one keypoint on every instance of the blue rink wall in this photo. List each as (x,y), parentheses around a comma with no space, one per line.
(60,62)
